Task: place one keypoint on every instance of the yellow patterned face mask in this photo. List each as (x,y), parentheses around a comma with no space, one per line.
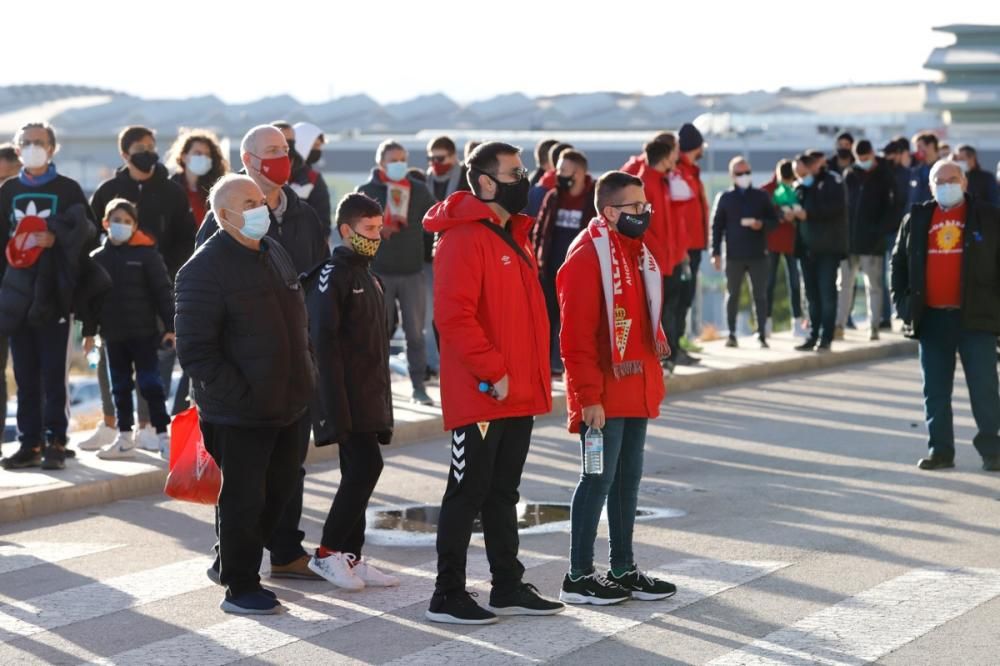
(366,247)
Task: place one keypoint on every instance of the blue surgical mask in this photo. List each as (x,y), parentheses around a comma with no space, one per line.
(948,194)
(119,232)
(256,222)
(395,170)
(963,165)
(865,164)
(808,181)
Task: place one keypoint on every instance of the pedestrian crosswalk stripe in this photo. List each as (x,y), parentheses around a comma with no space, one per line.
(869,625)
(540,639)
(15,557)
(99,598)
(310,616)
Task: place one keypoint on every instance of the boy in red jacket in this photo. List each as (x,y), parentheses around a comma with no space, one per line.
(610,295)
(495,378)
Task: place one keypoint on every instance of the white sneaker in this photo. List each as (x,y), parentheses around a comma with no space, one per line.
(102,436)
(147,440)
(164,440)
(372,577)
(337,569)
(123,447)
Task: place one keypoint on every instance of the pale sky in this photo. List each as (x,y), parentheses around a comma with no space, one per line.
(392,50)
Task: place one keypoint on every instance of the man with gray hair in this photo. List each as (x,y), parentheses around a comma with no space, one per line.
(946,289)
(294,224)
(400,259)
(243,339)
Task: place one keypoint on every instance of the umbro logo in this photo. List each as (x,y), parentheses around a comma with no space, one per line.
(505,259)
(358,291)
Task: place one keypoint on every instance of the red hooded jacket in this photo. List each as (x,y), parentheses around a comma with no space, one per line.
(693,213)
(586,342)
(490,314)
(661,237)
(634,164)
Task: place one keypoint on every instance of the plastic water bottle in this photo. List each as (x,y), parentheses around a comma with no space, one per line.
(94,357)
(593,451)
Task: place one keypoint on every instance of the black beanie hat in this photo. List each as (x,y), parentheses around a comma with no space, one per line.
(689,138)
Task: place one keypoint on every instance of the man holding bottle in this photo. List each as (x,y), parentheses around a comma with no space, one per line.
(611,296)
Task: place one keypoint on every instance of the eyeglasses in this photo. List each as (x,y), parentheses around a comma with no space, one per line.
(517,173)
(741,173)
(41,143)
(639,207)
(437,159)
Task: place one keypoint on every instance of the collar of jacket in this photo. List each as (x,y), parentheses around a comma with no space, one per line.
(345,253)
(159,174)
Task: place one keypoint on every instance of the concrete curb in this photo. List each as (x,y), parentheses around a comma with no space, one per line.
(49,500)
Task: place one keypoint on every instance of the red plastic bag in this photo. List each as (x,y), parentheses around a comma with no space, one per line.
(194,476)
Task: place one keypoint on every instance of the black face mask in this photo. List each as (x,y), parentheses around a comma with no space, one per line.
(144,161)
(512,197)
(315,155)
(844,153)
(565,183)
(633,226)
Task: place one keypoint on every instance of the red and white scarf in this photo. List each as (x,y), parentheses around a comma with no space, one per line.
(624,300)
(397,205)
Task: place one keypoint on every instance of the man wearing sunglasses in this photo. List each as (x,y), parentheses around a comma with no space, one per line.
(495,378)
(743,215)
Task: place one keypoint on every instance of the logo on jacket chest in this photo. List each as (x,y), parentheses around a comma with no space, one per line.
(505,260)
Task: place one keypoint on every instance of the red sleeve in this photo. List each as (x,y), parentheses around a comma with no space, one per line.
(458,286)
(578,285)
(657,237)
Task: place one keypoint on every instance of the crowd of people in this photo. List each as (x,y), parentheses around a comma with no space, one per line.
(280,310)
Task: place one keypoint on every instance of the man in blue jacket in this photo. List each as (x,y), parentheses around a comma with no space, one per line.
(743,215)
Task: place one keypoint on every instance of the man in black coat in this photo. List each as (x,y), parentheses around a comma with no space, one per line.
(869,185)
(353,403)
(292,223)
(820,245)
(243,338)
(982,184)
(946,288)
(743,216)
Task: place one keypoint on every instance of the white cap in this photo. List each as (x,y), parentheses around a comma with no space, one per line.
(305,136)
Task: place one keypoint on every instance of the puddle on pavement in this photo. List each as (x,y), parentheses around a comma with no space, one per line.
(416,525)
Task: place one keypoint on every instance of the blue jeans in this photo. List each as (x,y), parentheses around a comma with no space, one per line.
(140,354)
(39,355)
(941,336)
(819,272)
(624,441)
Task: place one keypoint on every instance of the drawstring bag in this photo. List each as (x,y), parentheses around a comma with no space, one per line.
(193,476)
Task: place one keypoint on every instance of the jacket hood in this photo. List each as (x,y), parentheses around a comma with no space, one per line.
(305,136)
(549,180)
(634,164)
(465,207)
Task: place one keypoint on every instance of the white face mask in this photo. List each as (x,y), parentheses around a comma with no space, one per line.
(34,157)
(199,165)
(743,182)
(119,232)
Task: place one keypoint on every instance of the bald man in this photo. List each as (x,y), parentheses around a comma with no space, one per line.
(243,338)
(946,289)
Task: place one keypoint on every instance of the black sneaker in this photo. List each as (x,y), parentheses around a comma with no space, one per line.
(252,603)
(24,457)
(592,589)
(732,342)
(824,347)
(933,462)
(523,600)
(458,608)
(54,456)
(643,586)
(763,343)
(807,346)
(991,464)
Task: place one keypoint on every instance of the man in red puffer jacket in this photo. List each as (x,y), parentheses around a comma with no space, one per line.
(495,378)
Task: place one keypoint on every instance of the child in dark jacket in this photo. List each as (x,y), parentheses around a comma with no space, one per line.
(127,324)
(353,402)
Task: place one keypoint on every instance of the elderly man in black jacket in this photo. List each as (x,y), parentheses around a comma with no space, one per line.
(869,184)
(243,338)
(821,244)
(743,216)
(946,288)
(296,226)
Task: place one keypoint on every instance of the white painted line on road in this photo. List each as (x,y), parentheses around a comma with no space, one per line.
(546,638)
(18,556)
(867,626)
(310,616)
(99,598)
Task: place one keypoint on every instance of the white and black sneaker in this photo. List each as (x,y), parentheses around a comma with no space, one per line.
(458,608)
(523,600)
(592,588)
(643,586)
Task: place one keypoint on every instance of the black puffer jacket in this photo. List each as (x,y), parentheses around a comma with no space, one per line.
(299,231)
(140,292)
(243,334)
(871,207)
(824,231)
(164,212)
(980,267)
(347,327)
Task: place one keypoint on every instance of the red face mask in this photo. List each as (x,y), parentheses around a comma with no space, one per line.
(920,156)
(440,168)
(275,169)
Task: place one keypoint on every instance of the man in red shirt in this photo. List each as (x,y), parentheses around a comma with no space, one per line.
(946,288)
(495,378)
(610,294)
